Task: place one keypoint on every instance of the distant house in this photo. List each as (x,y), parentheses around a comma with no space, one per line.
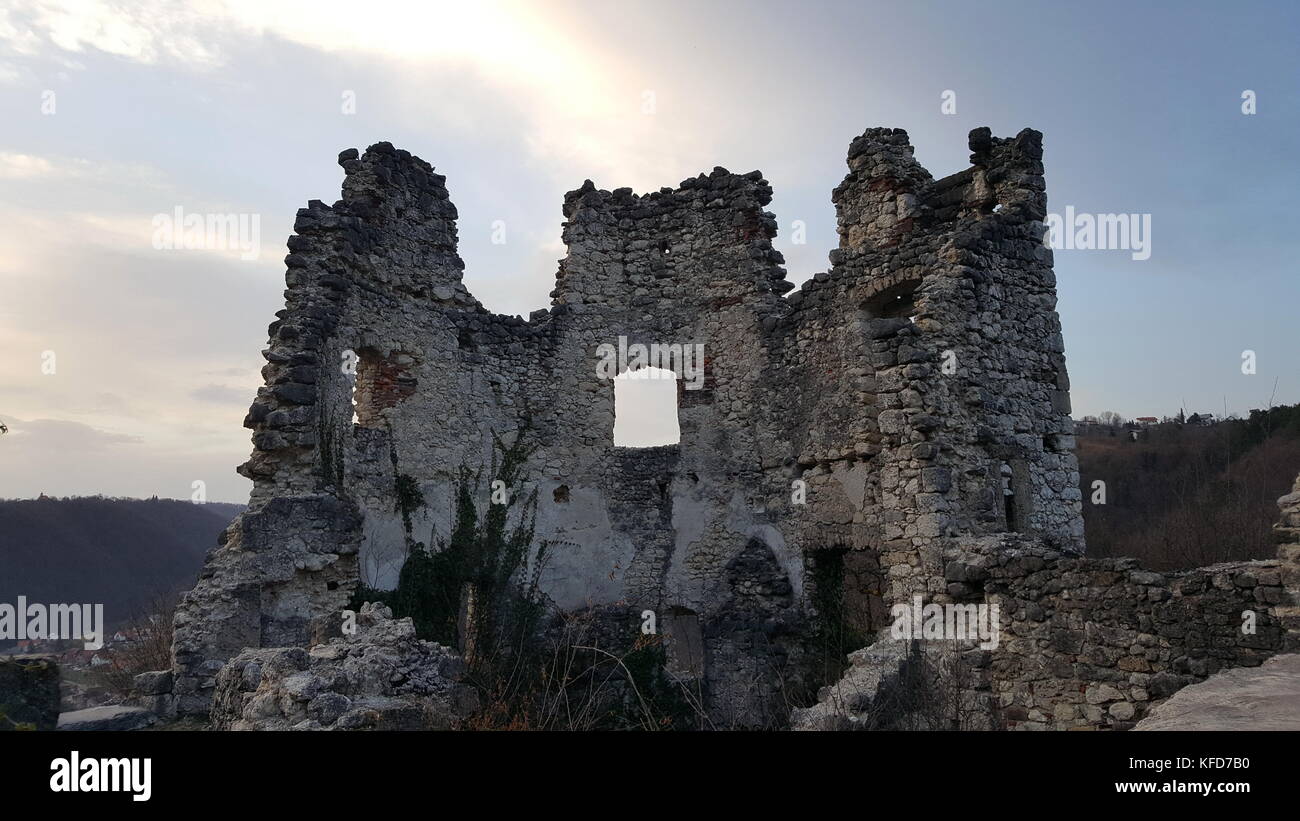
(1146,420)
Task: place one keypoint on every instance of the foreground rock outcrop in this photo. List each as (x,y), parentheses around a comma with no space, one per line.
(1255,698)
(380,677)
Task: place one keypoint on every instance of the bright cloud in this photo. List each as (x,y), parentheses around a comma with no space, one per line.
(584,107)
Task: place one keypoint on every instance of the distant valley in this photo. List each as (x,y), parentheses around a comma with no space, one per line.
(122,553)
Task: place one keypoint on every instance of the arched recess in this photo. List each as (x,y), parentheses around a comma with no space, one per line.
(897,301)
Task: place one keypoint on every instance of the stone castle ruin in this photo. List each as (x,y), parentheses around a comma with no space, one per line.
(898,426)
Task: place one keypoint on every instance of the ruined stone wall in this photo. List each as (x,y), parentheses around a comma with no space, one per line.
(372,282)
(1095,643)
(912,394)
(1082,644)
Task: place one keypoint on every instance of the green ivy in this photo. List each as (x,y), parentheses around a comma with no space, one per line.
(484,553)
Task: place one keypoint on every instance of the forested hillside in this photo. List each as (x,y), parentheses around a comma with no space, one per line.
(119,552)
(1187,494)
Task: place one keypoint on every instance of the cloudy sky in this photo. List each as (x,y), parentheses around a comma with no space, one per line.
(126,370)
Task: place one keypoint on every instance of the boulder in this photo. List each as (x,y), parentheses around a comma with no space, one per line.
(1244,698)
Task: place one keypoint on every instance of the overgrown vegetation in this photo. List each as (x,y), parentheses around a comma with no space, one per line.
(473,590)
(477,591)
(408,498)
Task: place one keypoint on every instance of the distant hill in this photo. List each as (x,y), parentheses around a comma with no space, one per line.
(119,552)
(1188,495)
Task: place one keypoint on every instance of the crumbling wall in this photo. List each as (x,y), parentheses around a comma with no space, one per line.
(1081,643)
(1097,642)
(913,394)
(373,286)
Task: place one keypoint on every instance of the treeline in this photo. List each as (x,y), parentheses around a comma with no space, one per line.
(122,553)
(1181,494)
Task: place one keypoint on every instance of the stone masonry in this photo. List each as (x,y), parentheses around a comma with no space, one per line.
(905,413)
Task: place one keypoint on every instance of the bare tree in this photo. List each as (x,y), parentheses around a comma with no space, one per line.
(147,645)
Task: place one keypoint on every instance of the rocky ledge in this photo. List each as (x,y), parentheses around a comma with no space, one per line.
(1266,697)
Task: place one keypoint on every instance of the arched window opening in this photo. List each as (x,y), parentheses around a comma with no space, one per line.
(895,302)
